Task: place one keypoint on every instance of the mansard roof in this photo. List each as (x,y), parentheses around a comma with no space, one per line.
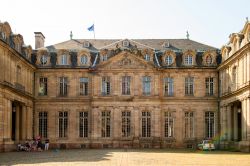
(157,44)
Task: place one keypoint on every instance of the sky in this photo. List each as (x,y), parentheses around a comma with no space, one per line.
(207,21)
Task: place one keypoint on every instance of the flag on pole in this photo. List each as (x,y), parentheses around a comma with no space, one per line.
(91,28)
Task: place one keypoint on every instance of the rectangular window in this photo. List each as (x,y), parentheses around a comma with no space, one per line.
(189,86)
(18,75)
(146,85)
(146,124)
(105,86)
(83,124)
(209,86)
(43,86)
(189,125)
(169,125)
(126,124)
(168,86)
(63,124)
(63,86)
(126,85)
(106,124)
(43,124)
(209,124)
(84,85)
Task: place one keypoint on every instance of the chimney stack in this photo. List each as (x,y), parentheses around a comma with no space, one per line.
(39,40)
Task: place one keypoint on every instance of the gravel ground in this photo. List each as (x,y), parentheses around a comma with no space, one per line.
(123,157)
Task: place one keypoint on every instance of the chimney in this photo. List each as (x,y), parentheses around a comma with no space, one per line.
(39,40)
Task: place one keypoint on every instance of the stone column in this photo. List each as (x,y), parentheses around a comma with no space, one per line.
(7,119)
(229,123)
(17,123)
(24,123)
(248,118)
(243,119)
(235,118)
(116,133)
(136,84)
(157,122)
(224,123)
(29,119)
(137,120)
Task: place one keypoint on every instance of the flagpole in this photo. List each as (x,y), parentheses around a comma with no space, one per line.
(94,33)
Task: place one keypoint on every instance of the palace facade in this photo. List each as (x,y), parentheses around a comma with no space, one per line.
(147,93)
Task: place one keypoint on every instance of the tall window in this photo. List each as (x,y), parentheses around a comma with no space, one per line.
(234,75)
(146,124)
(18,74)
(83,124)
(43,86)
(126,85)
(146,85)
(147,57)
(63,86)
(43,124)
(169,125)
(168,86)
(63,124)
(106,124)
(43,60)
(209,86)
(84,86)
(64,60)
(189,86)
(189,125)
(209,124)
(84,59)
(105,85)
(209,60)
(104,57)
(169,60)
(126,124)
(188,60)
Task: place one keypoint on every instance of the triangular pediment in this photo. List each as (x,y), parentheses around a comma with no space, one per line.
(126,60)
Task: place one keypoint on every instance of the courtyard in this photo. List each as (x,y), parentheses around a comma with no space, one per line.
(127,157)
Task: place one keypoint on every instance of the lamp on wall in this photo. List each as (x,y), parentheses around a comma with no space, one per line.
(14,108)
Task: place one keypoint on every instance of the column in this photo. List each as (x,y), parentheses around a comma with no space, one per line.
(116,123)
(248,118)
(29,119)
(136,122)
(235,118)
(17,134)
(7,123)
(136,84)
(24,123)
(224,123)
(157,122)
(243,119)
(229,123)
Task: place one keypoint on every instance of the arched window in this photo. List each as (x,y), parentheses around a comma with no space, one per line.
(169,60)
(43,60)
(64,60)
(209,60)
(147,57)
(188,60)
(84,59)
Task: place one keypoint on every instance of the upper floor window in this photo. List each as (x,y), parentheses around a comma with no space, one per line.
(146,85)
(188,60)
(126,85)
(209,60)
(44,60)
(104,57)
(209,86)
(64,60)
(168,86)
(234,75)
(189,86)
(3,36)
(63,86)
(43,86)
(18,74)
(105,85)
(147,57)
(84,59)
(168,60)
(84,86)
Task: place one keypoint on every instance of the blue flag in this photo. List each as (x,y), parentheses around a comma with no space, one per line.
(91,28)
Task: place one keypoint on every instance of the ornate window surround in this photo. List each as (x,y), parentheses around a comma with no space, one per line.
(148,52)
(80,55)
(189,53)
(40,54)
(206,55)
(169,53)
(62,53)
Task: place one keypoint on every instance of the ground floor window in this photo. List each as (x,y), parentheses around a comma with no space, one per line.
(169,124)
(209,124)
(63,124)
(126,124)
(83,124)
(43,124)
(146,124)
(106,124)
(189,125)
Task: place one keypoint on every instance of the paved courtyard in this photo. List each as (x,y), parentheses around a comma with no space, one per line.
(130,157)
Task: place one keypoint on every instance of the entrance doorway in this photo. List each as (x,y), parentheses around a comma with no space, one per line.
(239,118)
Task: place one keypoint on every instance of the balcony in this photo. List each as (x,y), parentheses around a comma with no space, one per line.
(19,86)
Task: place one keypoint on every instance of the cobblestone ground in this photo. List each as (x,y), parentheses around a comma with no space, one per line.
(123,157)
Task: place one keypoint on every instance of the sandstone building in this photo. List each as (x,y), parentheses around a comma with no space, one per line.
(147,93)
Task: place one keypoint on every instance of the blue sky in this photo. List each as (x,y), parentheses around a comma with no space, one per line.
(208,21)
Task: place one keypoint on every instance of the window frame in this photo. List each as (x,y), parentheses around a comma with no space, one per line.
(83,86)
(106,86)
(106,124)
(63,124)
(188,60)
(210,118)
(189,125)
(189,86)
(146,124)
(146,85)
(168,83)
(43,124)
(209,81)
(126,82)
(43,86)
(83,124)
(126,123)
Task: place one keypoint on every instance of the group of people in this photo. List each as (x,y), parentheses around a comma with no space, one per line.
(35,144)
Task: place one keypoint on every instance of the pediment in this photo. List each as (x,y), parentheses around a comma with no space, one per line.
(126,60)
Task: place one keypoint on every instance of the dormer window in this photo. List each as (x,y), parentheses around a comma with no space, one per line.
(209,60)
(188,60)
(86,44)
(43,60)
(147,57)
(3,35)
(125,43)
(64,60)
(84,59)
(104,57)
(166,44)
(168,60)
